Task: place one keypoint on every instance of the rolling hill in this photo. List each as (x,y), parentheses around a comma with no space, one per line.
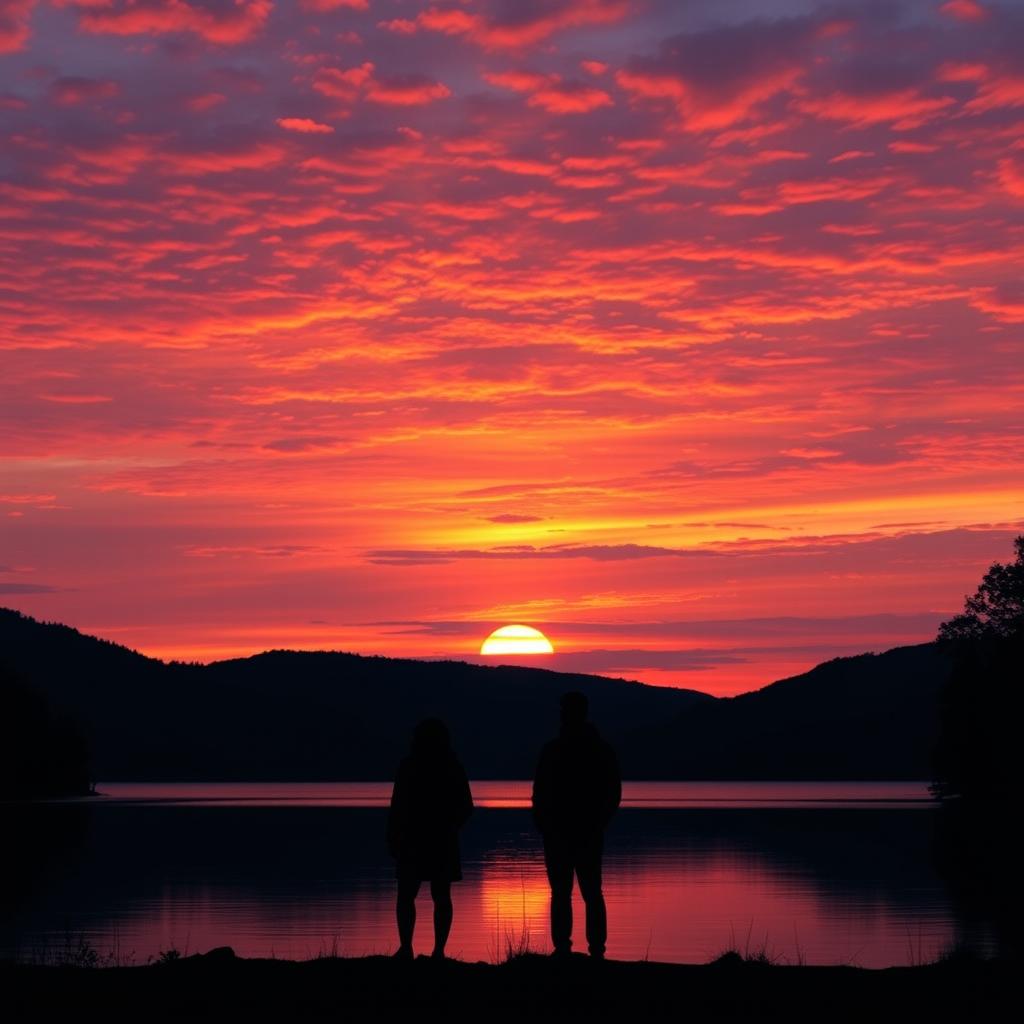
(292,715)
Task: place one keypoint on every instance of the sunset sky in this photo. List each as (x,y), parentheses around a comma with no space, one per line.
(687,331)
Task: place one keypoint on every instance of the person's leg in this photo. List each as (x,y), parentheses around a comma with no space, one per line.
(558,863)
(441,893)
(588,871)
(405,909)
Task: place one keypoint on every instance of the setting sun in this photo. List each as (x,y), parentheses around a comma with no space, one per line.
(517,639)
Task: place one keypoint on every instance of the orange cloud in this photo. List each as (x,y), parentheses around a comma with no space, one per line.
(905,146)
(333,5)
(406,91)
(550,93)
(205,101)
(569,99)
(342,84)
(1011,176)
(999,91)
(361,82)
(222,24)
(520,32)
(904,108)
(255,156)
(994,87)
(701,110)
(304,125)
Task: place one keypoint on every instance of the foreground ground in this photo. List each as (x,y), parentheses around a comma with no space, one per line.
(218,984)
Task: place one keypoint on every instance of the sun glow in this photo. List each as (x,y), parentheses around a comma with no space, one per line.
(517,639)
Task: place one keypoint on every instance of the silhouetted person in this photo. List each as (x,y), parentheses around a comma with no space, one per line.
(576,791)
(430,802)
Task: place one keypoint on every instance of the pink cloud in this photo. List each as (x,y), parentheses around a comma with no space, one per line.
(224,23)
(255,156)
(521,30)
(850,154)
(14,24)
(964,10)
(1000,90)
(406,91)
(995,86)
(362,82)
(904,108)
(569,98)
(905,146)
(67,92)
(205,101)
(550,93)
(517,81)
(1011,176)
(718,78)
(343,84)
(333,5)
(400,26)
(304,125)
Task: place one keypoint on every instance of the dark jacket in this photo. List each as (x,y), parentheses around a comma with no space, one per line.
(577,787)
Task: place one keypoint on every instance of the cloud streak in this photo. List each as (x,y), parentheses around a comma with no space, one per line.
(580,312)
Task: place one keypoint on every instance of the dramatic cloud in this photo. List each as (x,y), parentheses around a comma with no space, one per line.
(509,25)
(217,21)
(550,93)
(68,92)
(304,125)
(14,24)
(718,77)
(360,82)
(689,333)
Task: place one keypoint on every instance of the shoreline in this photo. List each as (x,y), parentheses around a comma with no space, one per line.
(219,983)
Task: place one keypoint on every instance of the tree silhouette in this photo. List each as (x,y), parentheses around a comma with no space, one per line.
(977,762)
(976,756)
(43,751)
(997,607)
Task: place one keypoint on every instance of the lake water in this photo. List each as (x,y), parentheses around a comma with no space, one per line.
(823,872)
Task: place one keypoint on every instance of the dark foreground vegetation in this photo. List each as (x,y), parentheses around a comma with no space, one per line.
(528,987)
(977,762)
(43,749)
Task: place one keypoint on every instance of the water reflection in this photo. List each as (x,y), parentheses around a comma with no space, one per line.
(826,877)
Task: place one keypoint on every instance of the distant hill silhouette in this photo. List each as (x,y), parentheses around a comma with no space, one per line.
(291,715)
(871,716)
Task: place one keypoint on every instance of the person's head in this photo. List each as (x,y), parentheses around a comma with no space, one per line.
(574,709)
(431,738)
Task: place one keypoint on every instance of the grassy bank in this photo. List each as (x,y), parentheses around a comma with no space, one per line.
(732,988)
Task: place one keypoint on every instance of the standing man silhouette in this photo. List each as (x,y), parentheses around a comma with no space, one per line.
(576,790)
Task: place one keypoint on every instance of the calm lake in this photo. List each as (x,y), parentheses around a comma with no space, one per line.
(823,872)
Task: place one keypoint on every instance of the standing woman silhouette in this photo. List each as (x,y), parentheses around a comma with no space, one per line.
(430,802)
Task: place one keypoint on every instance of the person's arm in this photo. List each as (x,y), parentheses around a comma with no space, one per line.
(541,797)
(613,781)
(397,811)
(465,802)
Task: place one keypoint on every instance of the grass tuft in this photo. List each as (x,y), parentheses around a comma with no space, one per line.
(518,946)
